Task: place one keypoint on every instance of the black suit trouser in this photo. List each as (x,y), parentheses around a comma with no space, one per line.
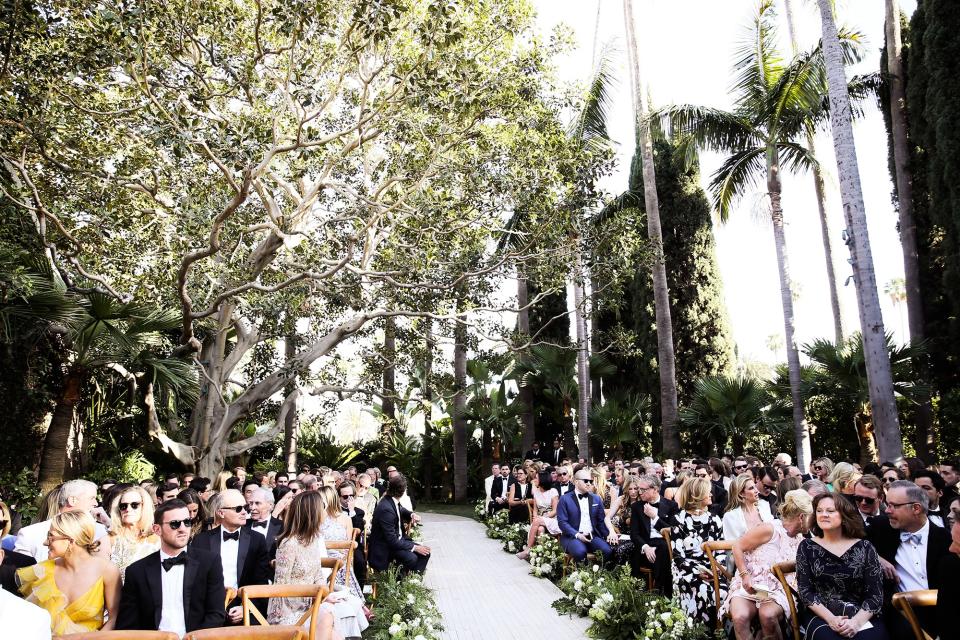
(411,561)
(660,568)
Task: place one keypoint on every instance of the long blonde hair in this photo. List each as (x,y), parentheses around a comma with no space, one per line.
(5,515)
(79,527)
(220,484)
(331,501)
(739,483)
(144,527)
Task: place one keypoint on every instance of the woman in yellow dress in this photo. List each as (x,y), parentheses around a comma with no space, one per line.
(131,528)
(79,589)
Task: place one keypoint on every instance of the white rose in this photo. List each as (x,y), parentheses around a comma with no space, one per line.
(578,585)
(394,629)
(596,568)
(546,568)
(410,598)
(420,637)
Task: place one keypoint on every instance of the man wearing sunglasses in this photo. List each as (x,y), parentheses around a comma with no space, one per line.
(243,553)
(868,496)
(173,589)
(584,526)
(564,480)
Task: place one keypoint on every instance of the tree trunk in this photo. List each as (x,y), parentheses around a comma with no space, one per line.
(867,439)
(661,295)
(583,358)
(291,425)
(526,393)
(879,376)
(459,407)
(908,228)
(801,432)
(427,457)
(53,458)
(389,378)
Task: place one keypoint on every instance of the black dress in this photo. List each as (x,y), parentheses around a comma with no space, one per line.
(844,585)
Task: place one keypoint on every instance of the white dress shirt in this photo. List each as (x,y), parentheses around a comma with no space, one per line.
(396,503)
(262,528)
(22,619)
(911,561)
(735,523)
(586,526)
(171,608)
(30,539)
(654,529)
(228,556)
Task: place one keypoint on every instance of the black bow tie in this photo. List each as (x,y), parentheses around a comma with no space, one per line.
(231,536)
(655,505)
(583,496)
(933,512)
(261,523)
(169,563)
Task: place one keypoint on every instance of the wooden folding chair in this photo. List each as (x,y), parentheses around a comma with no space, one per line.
(907,600)
(665,534)
(334,565)
(278,632)
(717,569)
(119,635)
(254,592)
(230,594)
(781,571)
(531,511)
(350,546)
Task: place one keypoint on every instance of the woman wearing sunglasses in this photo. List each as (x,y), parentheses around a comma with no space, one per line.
(131,528)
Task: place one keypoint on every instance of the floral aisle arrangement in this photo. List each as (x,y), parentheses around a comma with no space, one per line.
(405,609)
(581,589)
(480,510)
(546,557)
(663,619)
(498,524)
(515,537)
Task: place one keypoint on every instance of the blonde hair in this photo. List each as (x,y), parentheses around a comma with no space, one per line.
(79,527)
(826,462)
(220,484)
(144,527)
(5,515)
(842,473)
(694,493)
(624,510)
(739,483)
(331,500)
(49,504)
(599,483)
(796,503)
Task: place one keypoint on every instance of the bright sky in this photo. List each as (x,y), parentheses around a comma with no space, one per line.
(686,48)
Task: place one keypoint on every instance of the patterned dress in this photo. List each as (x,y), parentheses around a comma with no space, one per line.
(759,564)
(544,500)
(332,530)
(124,551)
(624,550)
(695,594)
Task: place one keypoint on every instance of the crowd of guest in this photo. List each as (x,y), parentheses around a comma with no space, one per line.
(164,555)
(856,535)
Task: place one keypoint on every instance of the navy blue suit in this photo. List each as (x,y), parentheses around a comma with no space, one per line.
(568,518)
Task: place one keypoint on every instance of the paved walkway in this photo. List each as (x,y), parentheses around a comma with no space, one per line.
(485,593)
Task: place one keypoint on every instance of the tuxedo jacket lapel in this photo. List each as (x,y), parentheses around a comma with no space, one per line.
(153,572)
(189,577)
(244,546)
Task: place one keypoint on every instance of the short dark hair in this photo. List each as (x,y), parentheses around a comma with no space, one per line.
(953,463)
(279,492)
(233,482)
(282,474)
(250,481)
(170,475)
(546,483)
(935,478)
(396,486)
(851,523)
(169,505)
(169,486)
(200,484)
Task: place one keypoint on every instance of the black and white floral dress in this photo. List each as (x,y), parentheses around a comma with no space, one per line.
(695,594)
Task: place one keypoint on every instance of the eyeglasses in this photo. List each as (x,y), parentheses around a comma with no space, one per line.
(239,508)
(132,506)
(52,537)
(294,490)
(739,466)
(889,480)
(348,497)
(642,489)
(586,480)
(176,524)
(865,500)
(3,523)
(897,505)
(817,468)
(561,473)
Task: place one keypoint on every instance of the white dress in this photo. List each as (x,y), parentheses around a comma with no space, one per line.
(544,501)
(735,524)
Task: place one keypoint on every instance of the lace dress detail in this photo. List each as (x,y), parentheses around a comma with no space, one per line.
(332,530)
(544,500)
(759,564)
(124,551)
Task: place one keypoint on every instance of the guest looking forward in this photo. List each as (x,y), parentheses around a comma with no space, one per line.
(520,494)
(488,485)
(692,579)
(557,454)
(500,490)
(839,576)
(584,526)
(745,510)
(131,530)
(648,516)
(754,591)
(74,584)
(387,542)
(171,590)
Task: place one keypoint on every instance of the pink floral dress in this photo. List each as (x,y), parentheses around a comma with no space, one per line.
(759,563)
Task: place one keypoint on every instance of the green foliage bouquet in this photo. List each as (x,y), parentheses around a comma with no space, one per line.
(581,590)
(498,524)
(546,557)
(515,537)
(663,619)
(480,510)
(406,609)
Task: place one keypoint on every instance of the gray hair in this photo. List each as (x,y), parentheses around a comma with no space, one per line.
(652,480)
(816,485)
(914,493)
(264,495)
(73,489)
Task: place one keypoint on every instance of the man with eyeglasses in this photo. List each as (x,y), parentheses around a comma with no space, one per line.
(564,483)
(584,526)
(348,502)
(868,496)
(243,554)
(173,589)
(648,516)
(767,485)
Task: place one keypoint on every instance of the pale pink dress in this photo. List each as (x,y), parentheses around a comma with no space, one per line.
(544,500)
(759,563)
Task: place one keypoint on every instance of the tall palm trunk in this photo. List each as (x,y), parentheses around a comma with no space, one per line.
(291,424)
(908,227)
(459,409)
(427,458)
(879,376)
(661,295)
(818,184)
(53,458)
(583,357)
(801,432)
(526,393)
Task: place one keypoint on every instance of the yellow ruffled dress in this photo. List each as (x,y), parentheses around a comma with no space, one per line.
(83,614)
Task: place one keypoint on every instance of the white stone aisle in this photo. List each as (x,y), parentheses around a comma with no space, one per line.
(485,593)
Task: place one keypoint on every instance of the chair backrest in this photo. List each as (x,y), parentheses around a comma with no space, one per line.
(350,546)
(278,632)
(230,594)
(665,534)
(781,571)
(119,635)
(334,565)
(717,569)
(257,591)
(907,600)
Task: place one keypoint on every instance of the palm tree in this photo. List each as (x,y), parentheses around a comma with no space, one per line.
(491,407)
(619,420)
(882,400)
(774,102)
(732,408)
(840,372)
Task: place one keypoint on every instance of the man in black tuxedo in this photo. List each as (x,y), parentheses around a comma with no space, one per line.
(243,554)
(348,497)
(558,455)
(535,453)
(932,483)
(564,480)
(911,548)
(387,542)
(500,489)
(173,589)
(868,495)
(647,516)
(11,563)
(261,521)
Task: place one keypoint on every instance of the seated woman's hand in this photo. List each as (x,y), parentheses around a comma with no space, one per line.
(747,583)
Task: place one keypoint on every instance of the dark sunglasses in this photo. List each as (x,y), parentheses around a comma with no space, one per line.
(132,506)
(740,466)
(175,524)
(865,499)
(348,496)
(585,480)
(239,508)
(889,480)
(3,523)
(294,491)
